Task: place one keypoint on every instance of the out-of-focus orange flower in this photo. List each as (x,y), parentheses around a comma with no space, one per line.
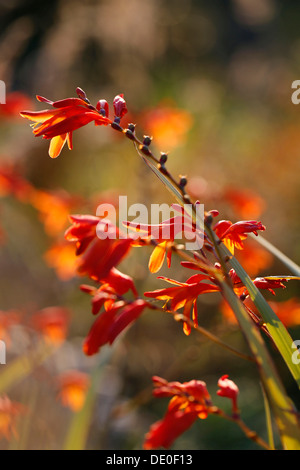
(168,125)
(54,208)
(13,184)
(7,320)
(111,323)
(97,256)
(287,311)
(227,312)
(190,401)
(229,390)
(53,323)
(9,414)
(233,235)
(185,295)
(62,258)
(73,386)
(255,258)
(67,116)
(244,202)
(15,101)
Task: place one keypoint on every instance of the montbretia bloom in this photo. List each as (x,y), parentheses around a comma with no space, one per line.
(228,389)
(265,283)
(165,431)
(116,284)
(97,255)
(164,234)
(189,401)
(111,323)
(184,295)
(232,235)
(68,115)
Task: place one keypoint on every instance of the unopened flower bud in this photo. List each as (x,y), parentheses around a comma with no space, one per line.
(163,158)
(183,181)
(120,106)
(131,127)
(102,107)
(147,140)
(81,94)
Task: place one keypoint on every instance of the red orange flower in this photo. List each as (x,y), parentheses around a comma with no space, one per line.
(115,285)
(111,323)
(185,295)
(190,401)
(164,235)
(267,283)
(67,116)
(229,390)
(164,432)
(233,234)
(98,256)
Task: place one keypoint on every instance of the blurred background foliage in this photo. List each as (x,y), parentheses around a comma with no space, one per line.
(211,82)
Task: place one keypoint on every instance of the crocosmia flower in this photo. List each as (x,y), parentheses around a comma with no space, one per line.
(68,115)
(189,401)
(111,323)
(233,234)
(228,389)
(184,294)
(97,256)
